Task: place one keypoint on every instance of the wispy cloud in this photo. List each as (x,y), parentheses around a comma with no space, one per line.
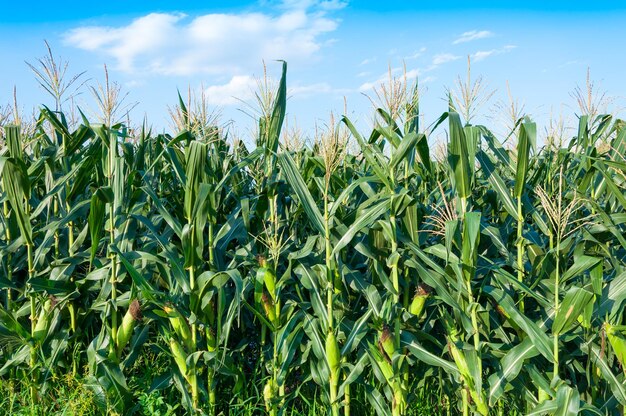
(416,54)
(241,88)
(480,55)
(367,61)
(328,5)
(472,35)
(443,58)
(176,44)
(384,78)
(304,91)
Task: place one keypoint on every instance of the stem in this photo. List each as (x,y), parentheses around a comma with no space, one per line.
(334,387)
(110,173)
(465,402)
(346,400)
(113,284)
(520,248)
(275,369)
(263,336)
(192,281)
(33,324)
(334,375)
(395,280)
(220,307)
(193,381)
(211,250)
(8,256)
(212,393)
(463,206)
(72,311)
(329,273)
(70,233)
(56,232)
(556,306)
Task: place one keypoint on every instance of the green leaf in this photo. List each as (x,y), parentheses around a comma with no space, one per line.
(581,264)
(527,136)
(567,401)
(409,342)
(16,185)
(365,219)
(297,183)
(616,384)
(278,112)
(497,184)
(458,156)
(573,305)
(407,145)
(538,336)
(510,366)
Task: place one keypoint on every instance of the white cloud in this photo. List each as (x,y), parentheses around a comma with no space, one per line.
(444,58)
(309,90)
(333,5)
(472,35)
(480,55)
(416,54)
(367,61)
(176,44)
(240,87)
(328,5)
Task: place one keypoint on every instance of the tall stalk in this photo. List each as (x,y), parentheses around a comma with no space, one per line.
(8,303)
(111,172)
(520,248)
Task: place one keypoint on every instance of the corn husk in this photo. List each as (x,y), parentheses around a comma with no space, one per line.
(129,322)
(386,343)
(180,357)
(333,355)
(180,327)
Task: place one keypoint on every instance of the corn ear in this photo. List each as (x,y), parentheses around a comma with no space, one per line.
(333,355)
(210,339)
(270,310)
(180,357)
(44,318)
(385,343)
(180,326)
(386,369)
(268,394)
(129,322)
(419,300)
(270,282)
(460,361)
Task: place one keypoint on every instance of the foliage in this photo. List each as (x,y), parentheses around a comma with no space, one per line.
(274,280)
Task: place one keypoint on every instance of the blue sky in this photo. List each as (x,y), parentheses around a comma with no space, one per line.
(334,49)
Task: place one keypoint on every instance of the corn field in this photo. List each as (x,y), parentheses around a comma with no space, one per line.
(492,276)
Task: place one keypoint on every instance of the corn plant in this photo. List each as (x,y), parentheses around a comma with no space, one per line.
(347,280)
